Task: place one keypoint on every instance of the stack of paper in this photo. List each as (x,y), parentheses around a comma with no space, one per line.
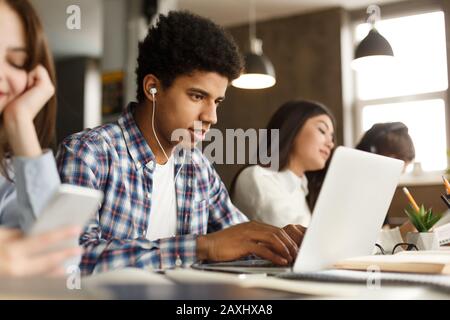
(443,233)
(429,262)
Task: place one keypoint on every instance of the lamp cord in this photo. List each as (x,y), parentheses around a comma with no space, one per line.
(252,21)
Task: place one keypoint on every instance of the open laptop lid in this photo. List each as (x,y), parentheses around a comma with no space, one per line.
(350,209)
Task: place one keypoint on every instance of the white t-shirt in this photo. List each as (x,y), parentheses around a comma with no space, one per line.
(276,198)
(163,214)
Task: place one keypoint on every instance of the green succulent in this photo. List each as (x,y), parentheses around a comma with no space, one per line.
(423,220)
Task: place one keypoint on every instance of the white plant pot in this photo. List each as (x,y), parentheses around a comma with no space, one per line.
(423,240)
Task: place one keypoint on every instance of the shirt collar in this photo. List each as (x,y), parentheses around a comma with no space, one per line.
(137,145)
(294,182)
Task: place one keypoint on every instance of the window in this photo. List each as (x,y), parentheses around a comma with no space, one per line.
(414,90)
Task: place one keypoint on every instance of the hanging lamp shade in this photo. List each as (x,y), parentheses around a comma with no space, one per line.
(374,50)
(259,72)
(374,44)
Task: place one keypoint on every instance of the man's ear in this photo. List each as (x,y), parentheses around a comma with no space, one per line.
(150,81)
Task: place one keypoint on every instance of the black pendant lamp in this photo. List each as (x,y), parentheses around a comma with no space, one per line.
(259,72)
(374,50)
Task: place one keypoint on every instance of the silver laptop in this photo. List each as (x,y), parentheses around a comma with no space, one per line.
(348,216)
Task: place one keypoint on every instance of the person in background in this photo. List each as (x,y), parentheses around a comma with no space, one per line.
(390,139)
(28,174)
(288,195)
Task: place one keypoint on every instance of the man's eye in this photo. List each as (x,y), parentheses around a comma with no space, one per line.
(197,97)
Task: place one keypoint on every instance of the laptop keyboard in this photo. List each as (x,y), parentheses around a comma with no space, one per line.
(246,264)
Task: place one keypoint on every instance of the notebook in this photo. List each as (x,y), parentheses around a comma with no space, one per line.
(440,282)
(424,262)
(443,234)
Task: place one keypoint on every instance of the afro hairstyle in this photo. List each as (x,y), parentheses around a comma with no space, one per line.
(182,43)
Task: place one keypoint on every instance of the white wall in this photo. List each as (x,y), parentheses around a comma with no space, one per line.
(88,41)
(114,35)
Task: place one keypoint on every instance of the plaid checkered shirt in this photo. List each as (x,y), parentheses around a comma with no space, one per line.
(116,159)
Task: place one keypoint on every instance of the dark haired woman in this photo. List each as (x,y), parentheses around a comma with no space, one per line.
(288,195)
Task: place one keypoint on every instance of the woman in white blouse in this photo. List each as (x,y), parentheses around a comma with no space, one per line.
(288,195)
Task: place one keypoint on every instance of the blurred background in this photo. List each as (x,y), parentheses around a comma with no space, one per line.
(311,46)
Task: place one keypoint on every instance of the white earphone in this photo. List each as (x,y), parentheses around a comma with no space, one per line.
(153,92)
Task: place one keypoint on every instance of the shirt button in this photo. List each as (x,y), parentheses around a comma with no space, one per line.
(178,262)
(149,195)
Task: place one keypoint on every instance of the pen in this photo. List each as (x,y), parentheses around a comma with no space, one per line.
(444,198)
(447,184)
(411,199)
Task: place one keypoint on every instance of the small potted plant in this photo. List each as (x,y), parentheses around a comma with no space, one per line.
(423,220)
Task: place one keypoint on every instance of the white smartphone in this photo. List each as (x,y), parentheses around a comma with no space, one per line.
(70,206)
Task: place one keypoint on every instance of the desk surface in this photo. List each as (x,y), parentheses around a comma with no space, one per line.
(55,289)
(196,292)
(140,284)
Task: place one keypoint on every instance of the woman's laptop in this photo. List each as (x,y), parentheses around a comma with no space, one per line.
(347,218)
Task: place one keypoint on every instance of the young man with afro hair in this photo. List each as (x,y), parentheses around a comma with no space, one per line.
(164,204)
